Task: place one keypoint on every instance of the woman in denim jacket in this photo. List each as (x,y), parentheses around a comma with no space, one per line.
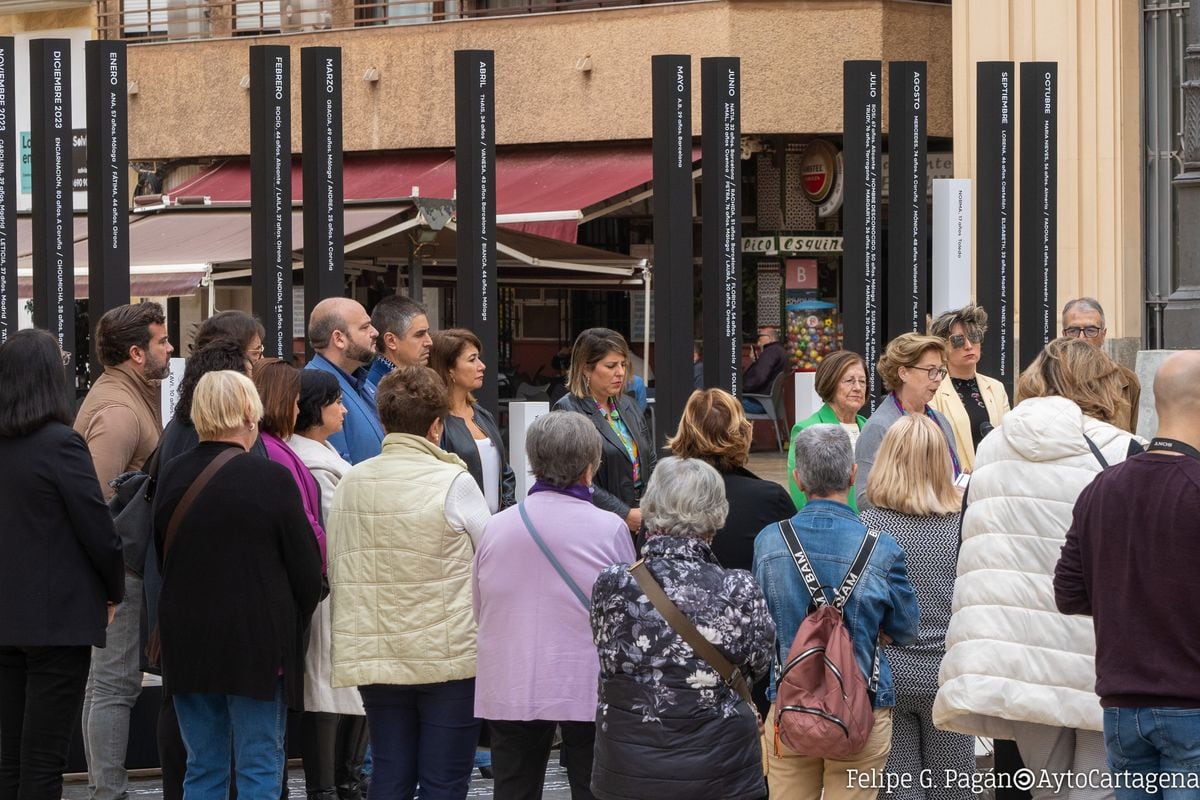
(882,606)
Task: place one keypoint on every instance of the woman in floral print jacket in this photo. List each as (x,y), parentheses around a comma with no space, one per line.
(667,726)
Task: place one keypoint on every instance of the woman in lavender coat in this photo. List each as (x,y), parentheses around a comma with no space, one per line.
(537,664)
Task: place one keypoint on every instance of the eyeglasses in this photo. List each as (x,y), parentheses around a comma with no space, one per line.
(934,373)
(257,353)
(853,382)
(958,341)
(1090,332)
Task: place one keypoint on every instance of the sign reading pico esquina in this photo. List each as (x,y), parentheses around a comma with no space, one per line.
(720,105)
(475,183)
(108,183)
(907,297)
(271,195)
(321,135)
(993,226)
(53,226)
(860,214)
(1039,207)
(8,192)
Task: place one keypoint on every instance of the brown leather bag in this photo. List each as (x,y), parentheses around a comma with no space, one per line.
(154,643)
(823,708)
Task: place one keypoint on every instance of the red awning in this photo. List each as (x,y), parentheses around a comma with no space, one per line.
(549,189)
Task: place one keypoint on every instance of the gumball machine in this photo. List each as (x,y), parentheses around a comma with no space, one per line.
(814,330)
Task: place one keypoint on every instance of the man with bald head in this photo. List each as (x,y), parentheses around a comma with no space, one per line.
(1130,561)
(341,333)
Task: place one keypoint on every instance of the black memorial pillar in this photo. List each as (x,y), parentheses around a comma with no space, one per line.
(476,297)
(674,324)
(908,217)
(1039,207)
(271,195)
(50,168)
(721,200)
(108,183)
(993,214)
(9,163)
(321,137)
(861,288)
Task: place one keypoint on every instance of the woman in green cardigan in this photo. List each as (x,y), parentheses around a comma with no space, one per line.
(842,383)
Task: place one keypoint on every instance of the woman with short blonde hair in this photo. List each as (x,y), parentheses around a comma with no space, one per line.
(912,367)
(240,559)
(912,470)
(915,500)
(714,429)
(224,402)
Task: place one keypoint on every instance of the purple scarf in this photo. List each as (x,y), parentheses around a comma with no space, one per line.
(576,490)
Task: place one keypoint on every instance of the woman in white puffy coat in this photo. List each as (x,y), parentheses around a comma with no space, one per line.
(1015,668)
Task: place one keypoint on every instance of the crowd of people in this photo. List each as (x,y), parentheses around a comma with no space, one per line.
(345,543)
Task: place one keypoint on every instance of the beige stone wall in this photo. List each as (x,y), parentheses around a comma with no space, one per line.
(81,17)
(1095,43)
(190,103)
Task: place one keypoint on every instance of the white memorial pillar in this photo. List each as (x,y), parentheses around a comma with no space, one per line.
(807,399)
(520,417)
(951,244)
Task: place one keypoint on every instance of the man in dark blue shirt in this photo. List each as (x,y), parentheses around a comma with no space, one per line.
(341,333)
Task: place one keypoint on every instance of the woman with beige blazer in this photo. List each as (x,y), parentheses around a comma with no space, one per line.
(973,403)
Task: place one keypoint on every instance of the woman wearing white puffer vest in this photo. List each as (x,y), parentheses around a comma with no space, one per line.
(1015,668)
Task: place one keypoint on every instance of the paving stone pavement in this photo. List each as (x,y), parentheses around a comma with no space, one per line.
(150,788)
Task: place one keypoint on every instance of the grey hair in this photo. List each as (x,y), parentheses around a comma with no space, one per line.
(1086,304)
(685,497)
(395,314)
(970,316)
(561,445)
(824,460)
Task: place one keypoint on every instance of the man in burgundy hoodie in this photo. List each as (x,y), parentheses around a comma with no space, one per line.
(1130,560)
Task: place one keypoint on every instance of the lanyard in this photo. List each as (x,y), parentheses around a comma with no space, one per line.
(929,412)
(1175,446)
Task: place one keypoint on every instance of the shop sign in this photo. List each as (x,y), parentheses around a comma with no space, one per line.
(834,201)
(801,274)
(818,170)
(763,245)
(810,244)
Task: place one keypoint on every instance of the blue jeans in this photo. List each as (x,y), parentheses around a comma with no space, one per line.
(422,735)
(752,406)
(1154,740)
(113,686)
(212,723)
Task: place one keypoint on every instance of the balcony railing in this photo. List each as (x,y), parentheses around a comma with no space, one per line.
(179,20)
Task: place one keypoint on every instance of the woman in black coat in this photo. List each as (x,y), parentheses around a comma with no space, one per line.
(62,573)
(241,578)
(714,429)
(597,383)
(469,431)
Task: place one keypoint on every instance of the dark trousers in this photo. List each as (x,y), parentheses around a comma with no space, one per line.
(41,699)
(520,750)
(423,734)
(172,755)
(333,746)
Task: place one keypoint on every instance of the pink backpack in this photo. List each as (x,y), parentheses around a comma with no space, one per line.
(822,708)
